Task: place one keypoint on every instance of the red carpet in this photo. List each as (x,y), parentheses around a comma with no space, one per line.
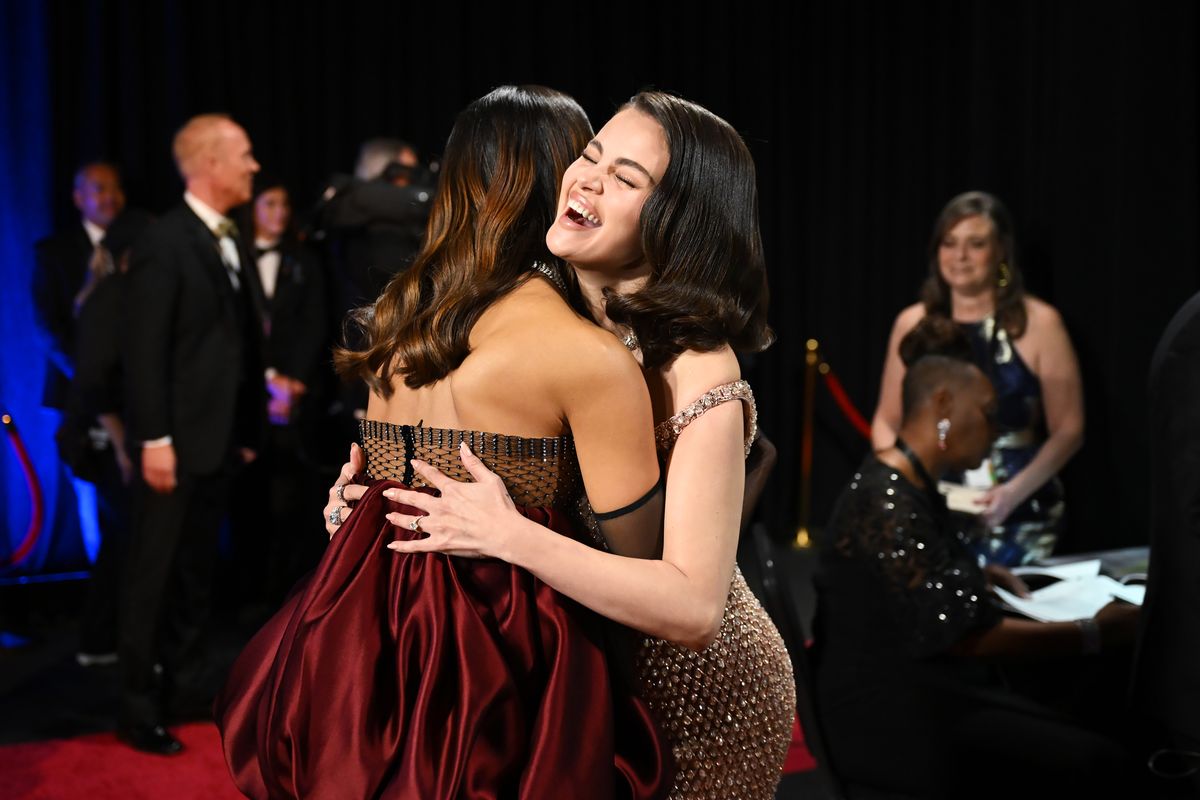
(799,759)
(101,768)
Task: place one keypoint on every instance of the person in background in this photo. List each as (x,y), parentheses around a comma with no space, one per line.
(1166,682)
(77,298)
(908,640)
(297,376)
(381,154)
(1021,344)
(68,264)
(194,389)
(368,228)
(371,225)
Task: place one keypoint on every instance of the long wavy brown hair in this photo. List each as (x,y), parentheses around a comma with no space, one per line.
(497,195)
(1009,298)
(708,282)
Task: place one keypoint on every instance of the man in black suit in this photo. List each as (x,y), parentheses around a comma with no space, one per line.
(1166,684)
(74,266)
(194,380)
(68,263)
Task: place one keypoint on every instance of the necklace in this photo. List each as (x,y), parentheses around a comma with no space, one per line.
(550,275)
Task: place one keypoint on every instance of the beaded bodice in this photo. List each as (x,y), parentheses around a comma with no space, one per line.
(537,472)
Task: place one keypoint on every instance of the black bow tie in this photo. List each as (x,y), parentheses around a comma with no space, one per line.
(259,252)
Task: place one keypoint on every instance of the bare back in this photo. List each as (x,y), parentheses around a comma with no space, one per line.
(538,369)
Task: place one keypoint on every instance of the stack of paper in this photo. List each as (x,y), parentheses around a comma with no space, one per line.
(1079,593)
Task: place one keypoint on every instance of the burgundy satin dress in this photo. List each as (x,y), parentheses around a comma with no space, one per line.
(425,676)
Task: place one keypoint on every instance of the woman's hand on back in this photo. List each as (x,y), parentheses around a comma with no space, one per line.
(465,520)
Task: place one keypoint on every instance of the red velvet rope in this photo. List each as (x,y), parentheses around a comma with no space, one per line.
(38,511)
(843,401)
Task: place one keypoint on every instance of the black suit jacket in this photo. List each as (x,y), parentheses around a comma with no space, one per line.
(1167,667)
(193,345)
(295,344)
(61,268)
(61,262)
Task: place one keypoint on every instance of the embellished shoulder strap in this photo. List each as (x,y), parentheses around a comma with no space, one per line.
(667,431)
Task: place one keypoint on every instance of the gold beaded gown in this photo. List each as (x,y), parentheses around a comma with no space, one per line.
(728,709)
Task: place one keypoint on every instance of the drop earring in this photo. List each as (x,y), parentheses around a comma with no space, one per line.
(1003,275)
(943,429)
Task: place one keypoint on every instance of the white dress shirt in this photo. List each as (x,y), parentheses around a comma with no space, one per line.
(214,220)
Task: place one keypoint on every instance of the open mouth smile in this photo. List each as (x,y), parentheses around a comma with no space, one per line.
(581,215)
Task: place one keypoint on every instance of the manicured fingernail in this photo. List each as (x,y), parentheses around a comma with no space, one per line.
(390,494)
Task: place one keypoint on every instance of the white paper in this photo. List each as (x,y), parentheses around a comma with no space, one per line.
(1064,572)
(962,498)
(1069,600)
(1132,593)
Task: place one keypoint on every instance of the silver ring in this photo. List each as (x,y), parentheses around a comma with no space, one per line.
(335,516)
(415,525)
(341,489)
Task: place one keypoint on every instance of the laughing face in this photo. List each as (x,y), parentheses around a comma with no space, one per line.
(602,195)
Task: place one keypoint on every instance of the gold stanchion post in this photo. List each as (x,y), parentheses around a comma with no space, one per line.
(812,360)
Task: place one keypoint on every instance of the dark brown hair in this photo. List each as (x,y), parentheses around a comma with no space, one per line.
(708,282)
(1010,298)
(497,195)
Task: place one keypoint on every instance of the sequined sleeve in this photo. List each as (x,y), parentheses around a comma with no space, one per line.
(940,592)
(667,431)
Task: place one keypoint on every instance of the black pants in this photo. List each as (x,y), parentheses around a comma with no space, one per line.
(98,626)
(167,594)
(276,521)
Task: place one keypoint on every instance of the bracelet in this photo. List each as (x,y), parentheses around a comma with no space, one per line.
(1089,631)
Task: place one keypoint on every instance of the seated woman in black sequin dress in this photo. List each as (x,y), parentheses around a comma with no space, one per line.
(907,635)
(1021,344)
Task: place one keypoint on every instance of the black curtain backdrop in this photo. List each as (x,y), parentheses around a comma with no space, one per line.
(864,118)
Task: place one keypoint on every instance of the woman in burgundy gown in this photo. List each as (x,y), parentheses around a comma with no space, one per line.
(439,677)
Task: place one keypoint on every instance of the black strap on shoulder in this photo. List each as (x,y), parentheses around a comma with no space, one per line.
(635,505)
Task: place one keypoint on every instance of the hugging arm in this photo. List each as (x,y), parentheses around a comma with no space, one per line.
(679,597)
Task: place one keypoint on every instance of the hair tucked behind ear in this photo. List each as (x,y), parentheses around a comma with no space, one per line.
(497,195)
(707,285)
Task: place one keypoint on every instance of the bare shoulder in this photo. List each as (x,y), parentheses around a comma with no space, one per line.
(1041,315)
(571,347)
(908,318)
(693,373)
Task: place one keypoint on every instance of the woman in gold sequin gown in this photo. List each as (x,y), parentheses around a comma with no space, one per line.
(658,218)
